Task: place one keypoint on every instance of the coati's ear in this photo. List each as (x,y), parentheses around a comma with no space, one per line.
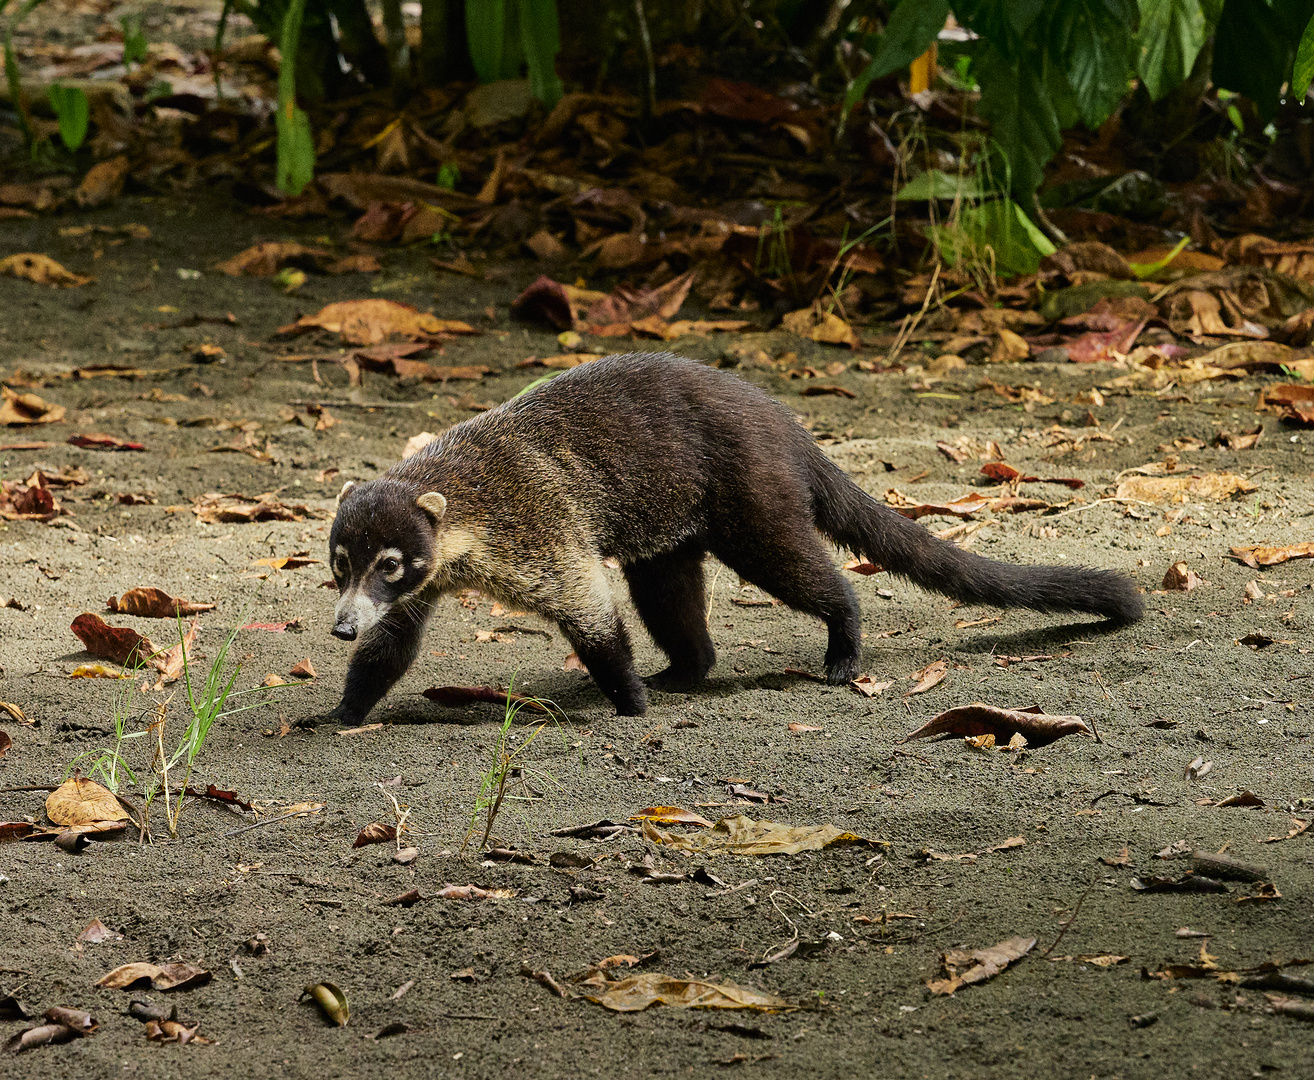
(345,488)
(433,504)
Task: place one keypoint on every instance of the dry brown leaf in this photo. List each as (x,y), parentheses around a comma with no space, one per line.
(1298,826)
(266,260)
(215,508)
(868,686)
(376,832)
(1180,578)
(931,675)
(1290,401)
(17,408)
(961,507)
(1175,489)
(79,801)
(964,968)
(41,269)
(671,815)
(739,835)
(369,322)
(162,976)
(96,932)
(638,992)
(121,644)
(1009,347)
(823,327)
(416,443)
(303,669)
(472,892)
(152,603)
(1257,555)
(1037,727)
(103,182)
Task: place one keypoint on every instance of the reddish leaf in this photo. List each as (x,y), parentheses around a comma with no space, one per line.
(103,442)
(121,644)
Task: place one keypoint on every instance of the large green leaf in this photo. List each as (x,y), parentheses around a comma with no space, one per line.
(541,36)
(1303,72)
(1170,37)
(485,30)
(996,230)
(911,30)
(1092,39)
(295,166)
(1021,114)
(1255,45)
(73,112)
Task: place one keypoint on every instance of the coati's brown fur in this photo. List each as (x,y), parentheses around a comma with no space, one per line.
(655,460)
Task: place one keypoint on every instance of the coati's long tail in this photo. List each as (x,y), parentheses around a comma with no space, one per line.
(852,518)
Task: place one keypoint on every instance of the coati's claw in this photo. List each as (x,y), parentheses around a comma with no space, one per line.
(841,672)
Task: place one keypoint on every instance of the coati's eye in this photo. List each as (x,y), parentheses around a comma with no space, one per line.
(390,566)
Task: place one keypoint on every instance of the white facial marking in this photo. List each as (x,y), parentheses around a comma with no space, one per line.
(358,609)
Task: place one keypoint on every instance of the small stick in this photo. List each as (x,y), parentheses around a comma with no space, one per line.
(906,331)
(1075,912)
(28,787)
(267,821)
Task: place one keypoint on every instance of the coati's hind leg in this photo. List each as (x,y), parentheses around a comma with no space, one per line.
(668,593)
(790,562)
(587,616)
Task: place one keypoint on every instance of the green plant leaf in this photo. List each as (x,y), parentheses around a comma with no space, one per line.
(541,37)
(72,111)
(296,143)
(1092,40)
(936,184)
(1255,46)
(135,45)
(1022,119)
(997,231)
(909,33)
(1303,72)
(485,32)
(1171,35)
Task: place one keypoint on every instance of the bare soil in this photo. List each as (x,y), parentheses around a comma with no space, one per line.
(1176,686)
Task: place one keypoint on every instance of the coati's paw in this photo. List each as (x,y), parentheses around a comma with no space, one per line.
(673,680)
(336,716)
(839,672)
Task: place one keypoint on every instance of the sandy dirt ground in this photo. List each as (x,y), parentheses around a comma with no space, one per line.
(269,910)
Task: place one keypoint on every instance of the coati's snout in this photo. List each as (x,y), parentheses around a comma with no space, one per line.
(380,551)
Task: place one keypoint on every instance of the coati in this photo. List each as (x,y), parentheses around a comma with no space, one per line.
(655,460)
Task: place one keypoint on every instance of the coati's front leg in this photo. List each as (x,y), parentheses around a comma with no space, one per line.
(384,655)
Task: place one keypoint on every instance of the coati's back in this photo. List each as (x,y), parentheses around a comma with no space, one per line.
(639,450)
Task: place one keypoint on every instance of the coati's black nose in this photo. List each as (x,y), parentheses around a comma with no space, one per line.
(345,631)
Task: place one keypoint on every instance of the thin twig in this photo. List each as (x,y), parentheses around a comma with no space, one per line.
(1075,912)
(29,787)
(267,821)
(1097,502)
(906,331)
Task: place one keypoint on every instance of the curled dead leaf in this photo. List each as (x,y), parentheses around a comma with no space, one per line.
(162,977)
(376,832)
(964,968)
(331,1001)
(41,269)
(1038,728)
(638,992)
(152,603)
(369,322)
(671,815)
